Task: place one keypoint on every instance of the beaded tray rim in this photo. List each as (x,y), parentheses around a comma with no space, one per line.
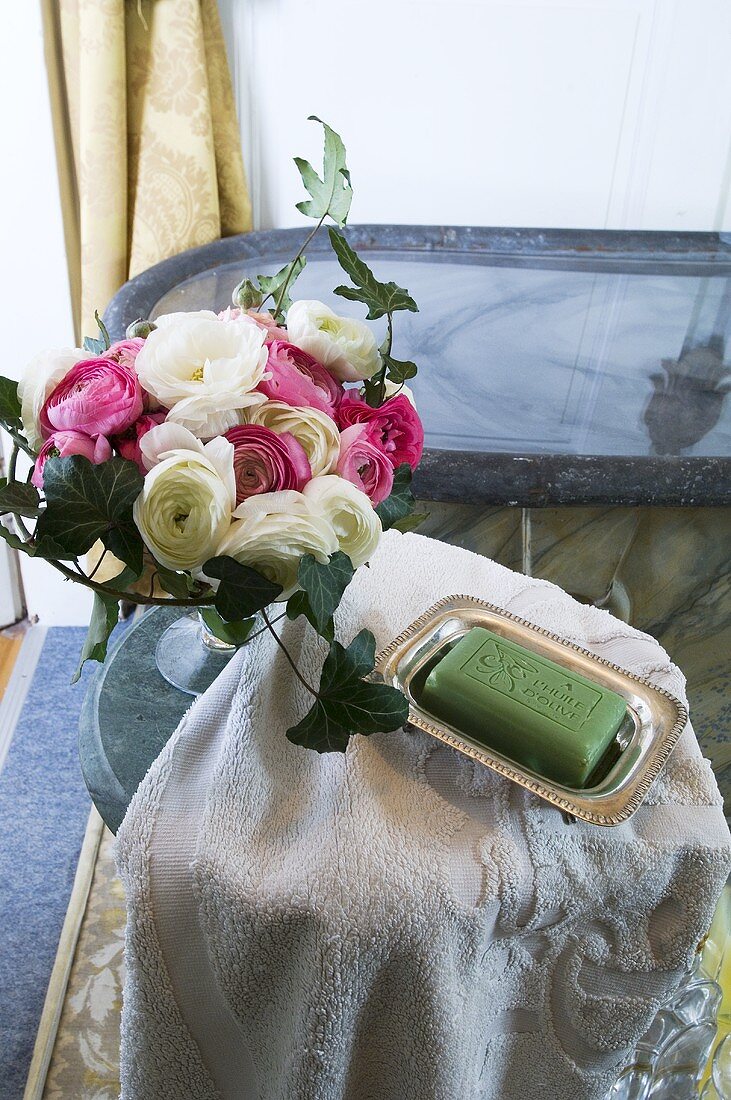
(578,804)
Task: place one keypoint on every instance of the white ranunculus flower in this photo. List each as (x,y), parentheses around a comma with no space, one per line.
(314,430)
(271,532)
(345,345)
(39,380)
(356,525)
(166,437)
(186,503)
(205,370)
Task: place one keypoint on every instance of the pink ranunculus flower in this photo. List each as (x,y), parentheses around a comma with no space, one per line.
(63,444)
(125,352)
(264,320)
(396,425)
(265,461)
(297,379)
(364,462)
(128,444)
(97,397)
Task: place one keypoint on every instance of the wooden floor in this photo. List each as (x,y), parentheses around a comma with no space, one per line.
(11,639)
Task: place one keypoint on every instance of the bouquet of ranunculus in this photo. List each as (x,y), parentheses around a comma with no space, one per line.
(228,461)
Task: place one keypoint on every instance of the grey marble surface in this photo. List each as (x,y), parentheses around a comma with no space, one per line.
(562,361)
(128,715)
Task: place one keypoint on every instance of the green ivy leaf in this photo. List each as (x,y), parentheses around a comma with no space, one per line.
(331,195)
(21,498)
(381,298)
(298,604)
(399,370)
(318,730)
(242,590)
(348,704)
(103,343)
(86,502)
(177,584)
(16,541)
(345,664)
(396,507)
(104,618)
(9,403)
(125,542)
(232,633)
(324,585)
(272,284)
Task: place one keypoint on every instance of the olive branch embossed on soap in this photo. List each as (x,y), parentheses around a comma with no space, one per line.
(506,668)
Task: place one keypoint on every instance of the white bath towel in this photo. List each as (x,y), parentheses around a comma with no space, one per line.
(398,923)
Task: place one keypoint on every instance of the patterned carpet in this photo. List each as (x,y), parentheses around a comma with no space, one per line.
(85,1060)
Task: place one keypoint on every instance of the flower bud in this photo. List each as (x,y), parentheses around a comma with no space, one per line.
(246,295)
(140,328)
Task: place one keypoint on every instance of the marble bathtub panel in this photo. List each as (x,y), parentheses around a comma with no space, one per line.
(580,549)
(493,532)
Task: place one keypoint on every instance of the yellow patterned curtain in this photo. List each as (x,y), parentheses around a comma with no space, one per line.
(147,138)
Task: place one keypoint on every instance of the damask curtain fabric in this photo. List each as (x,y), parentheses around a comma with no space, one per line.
(147,138)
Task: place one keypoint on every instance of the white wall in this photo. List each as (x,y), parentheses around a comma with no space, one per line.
(592,113)
(34,291)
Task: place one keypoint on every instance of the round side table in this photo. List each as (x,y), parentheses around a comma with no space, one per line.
(129,713)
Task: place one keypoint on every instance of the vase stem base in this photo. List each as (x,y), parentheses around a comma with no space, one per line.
(185,661)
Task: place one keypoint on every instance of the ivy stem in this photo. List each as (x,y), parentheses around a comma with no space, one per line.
(287,654)
(285,284)
(389,343)
(95,570)
(13,462)
(18,440)
(130,597)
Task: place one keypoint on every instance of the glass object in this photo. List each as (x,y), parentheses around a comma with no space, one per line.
(189,656)
(671,1060)
(688,1051)
(680,1084)
(633,1083)
(721,1069)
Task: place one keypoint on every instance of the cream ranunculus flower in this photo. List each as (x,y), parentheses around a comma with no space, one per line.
(186,503)
(345,345)
(314,430)
(39,380)
(356,525)
(271,532)
(204,369)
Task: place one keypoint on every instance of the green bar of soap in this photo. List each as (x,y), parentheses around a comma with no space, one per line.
(555,722)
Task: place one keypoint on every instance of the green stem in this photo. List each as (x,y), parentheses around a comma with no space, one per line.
(95,570)
(18,441)
(13,463)
(382,379)
(286,653)
(131,597)
(285,284)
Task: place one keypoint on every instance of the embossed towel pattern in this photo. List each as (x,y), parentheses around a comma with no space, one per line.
(398,923)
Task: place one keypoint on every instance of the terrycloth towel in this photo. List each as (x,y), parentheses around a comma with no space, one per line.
(398,923)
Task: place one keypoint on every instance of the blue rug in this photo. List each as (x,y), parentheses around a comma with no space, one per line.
(44,808)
